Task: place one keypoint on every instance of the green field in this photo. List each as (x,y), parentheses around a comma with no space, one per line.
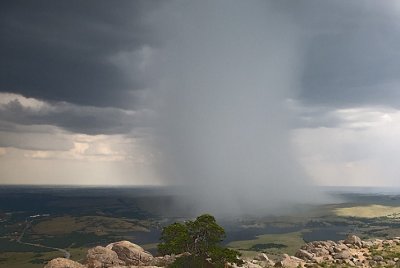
(99,225)
(370,211)
(272,244)
(37,259)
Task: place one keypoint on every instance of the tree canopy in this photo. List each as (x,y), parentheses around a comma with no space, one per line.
(202,239)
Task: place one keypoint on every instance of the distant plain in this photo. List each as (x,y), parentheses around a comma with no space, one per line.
(41,223)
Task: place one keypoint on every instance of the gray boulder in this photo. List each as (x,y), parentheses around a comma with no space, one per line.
(353,240)
(303,254)
(377,258)
(101,257)
(164,261)
(343,255)
(261,257)
(63,263)
(130,253)
(289,262)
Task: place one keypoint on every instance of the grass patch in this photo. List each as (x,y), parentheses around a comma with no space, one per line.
(262,247)
(35,260)
(73,240)
(7,245)
(58,225)
(26,259)
(275,244)
(387,252)
(371,211)
(99,225)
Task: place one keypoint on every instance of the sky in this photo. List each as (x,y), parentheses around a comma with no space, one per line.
(81,86)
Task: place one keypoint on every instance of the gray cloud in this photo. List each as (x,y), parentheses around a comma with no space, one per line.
(75,118)
(88,62)
(62,50)
(302,116)
(92,54)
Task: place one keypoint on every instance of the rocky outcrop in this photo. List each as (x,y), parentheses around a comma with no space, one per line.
(101,257)
(350,252)
(130,254)
(259,261)
(289,262)
(303,254)
(166,260)
(122,254)
(353,240)
(63,263)
(345,253)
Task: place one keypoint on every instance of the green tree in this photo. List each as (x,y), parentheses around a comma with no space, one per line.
(176,239)
(201,238)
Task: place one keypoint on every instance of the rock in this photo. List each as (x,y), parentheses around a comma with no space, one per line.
(353,240)
(160,262)
(136,266)
(339,261)
(63,263)
(163,261)
(337,249)
(289,262)
(342,246)
(263,260)
(377,242)
(246,264)
(261,257)
(101,257)
(345,254)
(366,244)
(388,242)
(349,262)
(320,252)
(305,255)
(251,265)
(130,253)
(166,260)
(377,258)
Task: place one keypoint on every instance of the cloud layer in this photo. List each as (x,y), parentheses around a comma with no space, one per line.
(66,51)
(92,68)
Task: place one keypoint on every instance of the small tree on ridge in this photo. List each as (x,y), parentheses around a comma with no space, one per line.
(201,238)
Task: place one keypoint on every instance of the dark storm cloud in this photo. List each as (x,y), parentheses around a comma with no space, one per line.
(88,53)
(79,119)
(351,52)
(61,50)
